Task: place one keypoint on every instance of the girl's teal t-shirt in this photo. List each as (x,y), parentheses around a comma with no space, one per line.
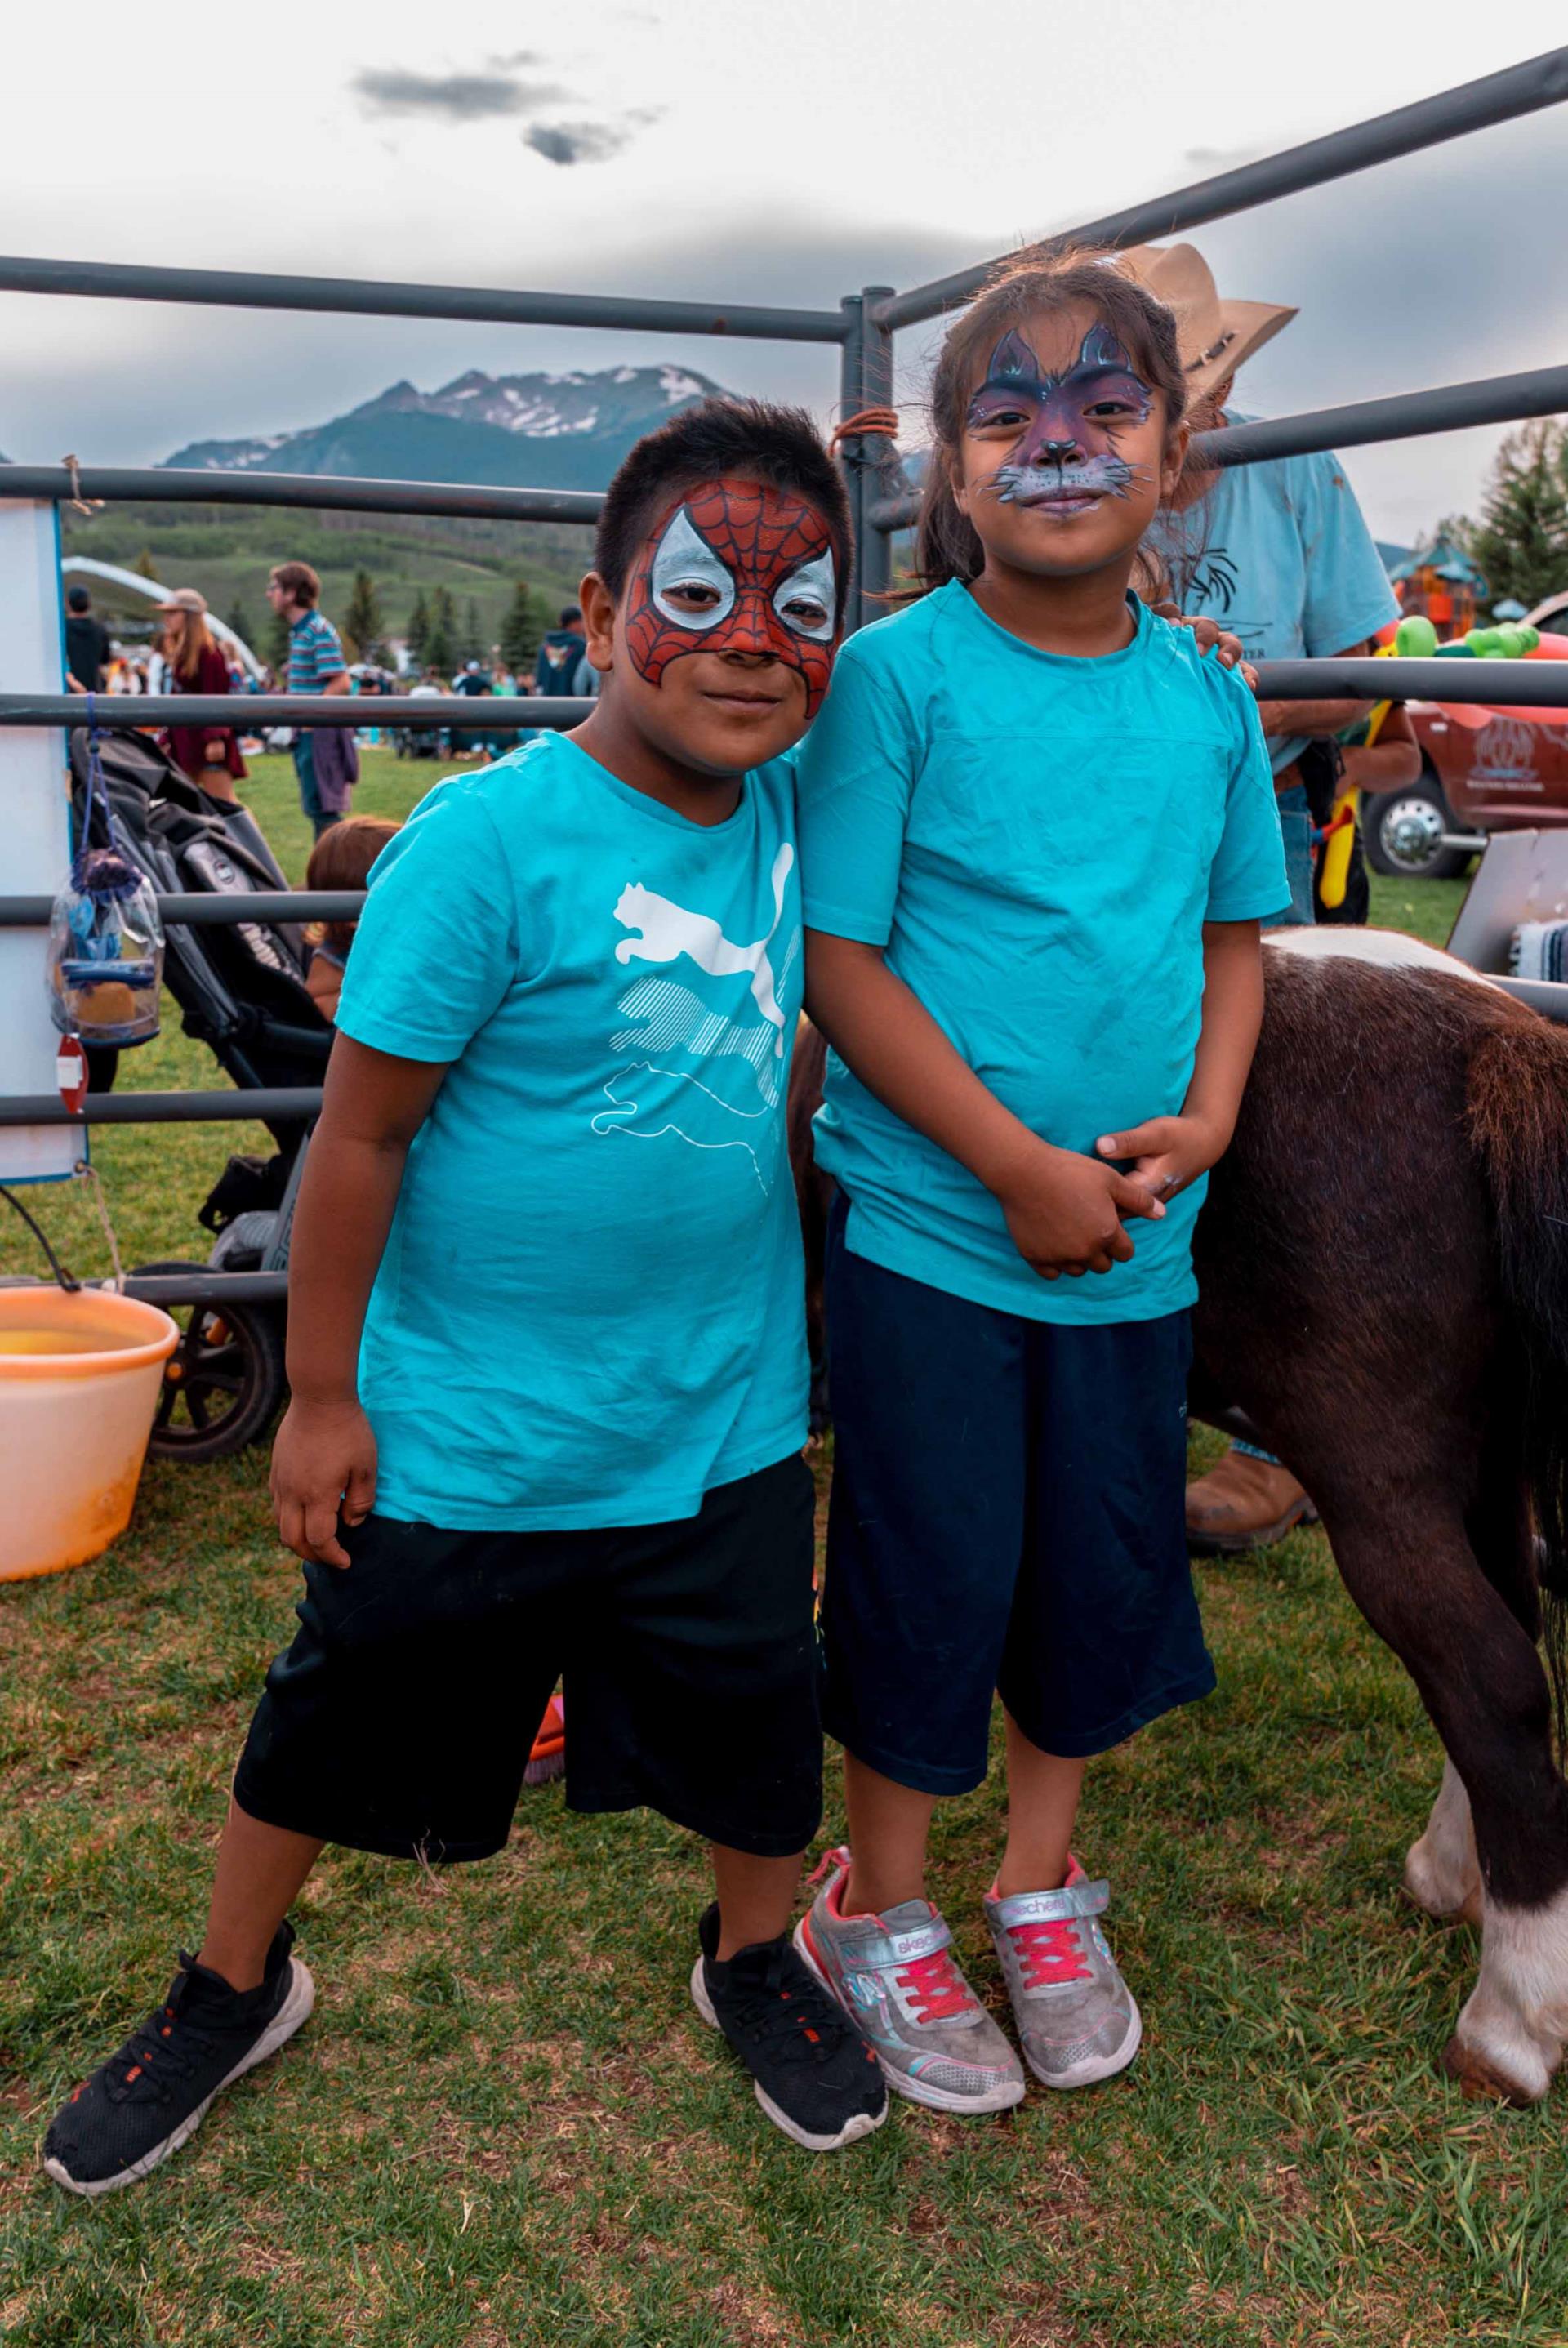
(590,1308)
(1037,842)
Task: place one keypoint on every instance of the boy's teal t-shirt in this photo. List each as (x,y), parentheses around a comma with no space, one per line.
(1037,841)
(590,1308)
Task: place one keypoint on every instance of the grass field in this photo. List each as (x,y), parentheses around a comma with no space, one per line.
(506,2125)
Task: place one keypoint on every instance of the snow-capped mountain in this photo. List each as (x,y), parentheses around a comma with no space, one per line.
(535,431)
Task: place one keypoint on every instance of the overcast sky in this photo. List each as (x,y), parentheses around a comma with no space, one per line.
(723,149)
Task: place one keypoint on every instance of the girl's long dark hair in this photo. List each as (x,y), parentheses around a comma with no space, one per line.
(1039,278)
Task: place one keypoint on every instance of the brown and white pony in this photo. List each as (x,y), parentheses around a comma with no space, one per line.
(1388,1237)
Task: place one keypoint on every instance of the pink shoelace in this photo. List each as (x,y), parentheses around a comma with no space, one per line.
(934,1987)
(1049,1953)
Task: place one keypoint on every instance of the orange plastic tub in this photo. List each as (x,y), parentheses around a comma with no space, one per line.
(79,1380)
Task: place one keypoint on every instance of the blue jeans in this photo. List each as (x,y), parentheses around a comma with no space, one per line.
(321,818)
(1295,830)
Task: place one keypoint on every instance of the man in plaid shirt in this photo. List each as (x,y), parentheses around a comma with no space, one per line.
(316,665)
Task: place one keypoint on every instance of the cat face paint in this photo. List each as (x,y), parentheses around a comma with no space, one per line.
(1067,453)
(735,566)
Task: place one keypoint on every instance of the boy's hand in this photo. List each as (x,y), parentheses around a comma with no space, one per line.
(1168,1152)
(324,1460)
(1065,1213)
(1211,637)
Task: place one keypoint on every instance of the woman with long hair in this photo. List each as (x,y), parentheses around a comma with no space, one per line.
(208,755)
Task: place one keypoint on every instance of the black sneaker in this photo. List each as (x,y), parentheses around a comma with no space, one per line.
(815,2077)
(146,2100)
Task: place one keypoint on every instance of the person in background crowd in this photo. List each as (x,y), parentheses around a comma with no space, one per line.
(559,656)
(340,859)
(316,665)
(1279,553)
(472,683)
(88,648)
(208,755)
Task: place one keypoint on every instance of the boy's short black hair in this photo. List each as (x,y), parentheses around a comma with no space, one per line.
(569,615)
(753,438)
(77,599)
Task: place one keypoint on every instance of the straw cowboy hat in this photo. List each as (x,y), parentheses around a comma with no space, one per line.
(184,599)
(1215,337)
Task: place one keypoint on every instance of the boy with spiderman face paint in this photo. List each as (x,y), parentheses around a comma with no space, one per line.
(546,1343)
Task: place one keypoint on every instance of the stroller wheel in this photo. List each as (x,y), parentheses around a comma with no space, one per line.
(224,1380)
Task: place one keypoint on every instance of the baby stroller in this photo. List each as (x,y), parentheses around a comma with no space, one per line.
(241,991)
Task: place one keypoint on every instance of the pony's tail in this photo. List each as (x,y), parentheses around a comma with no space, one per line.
(1517,1113)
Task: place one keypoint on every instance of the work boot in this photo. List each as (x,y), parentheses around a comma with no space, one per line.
(1243,1503)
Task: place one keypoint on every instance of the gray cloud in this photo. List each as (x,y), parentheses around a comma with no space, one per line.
(1212,159)
(577,142)
(452,98)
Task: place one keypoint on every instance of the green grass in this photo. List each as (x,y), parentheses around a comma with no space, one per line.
(506,2125)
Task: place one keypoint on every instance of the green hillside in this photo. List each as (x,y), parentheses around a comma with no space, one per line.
(228,550)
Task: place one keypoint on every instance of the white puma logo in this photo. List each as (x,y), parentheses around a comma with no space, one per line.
(669,931)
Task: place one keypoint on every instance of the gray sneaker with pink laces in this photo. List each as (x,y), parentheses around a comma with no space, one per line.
(895,1975)
(1077,2019)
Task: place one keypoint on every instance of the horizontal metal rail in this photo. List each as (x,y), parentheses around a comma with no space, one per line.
(1498,682)
(215,912)
(246,289)
(189,485)
(279,1107)
(1525,89)
(1493,684)
(1405,415)
(215,1287)
(252,713)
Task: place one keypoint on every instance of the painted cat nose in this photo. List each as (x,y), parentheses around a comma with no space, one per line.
(1057,452)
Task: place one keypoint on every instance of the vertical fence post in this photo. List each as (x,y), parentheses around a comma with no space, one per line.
(876,391)
(850,402)
(37,832)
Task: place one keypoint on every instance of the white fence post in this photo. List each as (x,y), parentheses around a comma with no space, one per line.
(35,833)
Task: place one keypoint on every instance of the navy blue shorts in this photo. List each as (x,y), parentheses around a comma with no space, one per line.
(1007,1514)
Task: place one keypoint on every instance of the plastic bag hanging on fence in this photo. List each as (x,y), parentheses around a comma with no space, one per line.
(105,963)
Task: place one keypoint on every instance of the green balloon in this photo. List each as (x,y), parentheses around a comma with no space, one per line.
(1483,641)
(1512,642)
(1532,636)
(1415,638)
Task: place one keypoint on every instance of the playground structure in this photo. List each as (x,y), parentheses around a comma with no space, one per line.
(40,1133)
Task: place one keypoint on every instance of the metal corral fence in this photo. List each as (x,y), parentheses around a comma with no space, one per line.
(862,327)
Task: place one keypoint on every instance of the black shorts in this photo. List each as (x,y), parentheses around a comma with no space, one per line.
(1009,1517)
(401,1718)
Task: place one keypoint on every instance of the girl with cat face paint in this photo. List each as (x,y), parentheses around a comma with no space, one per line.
(1037,833)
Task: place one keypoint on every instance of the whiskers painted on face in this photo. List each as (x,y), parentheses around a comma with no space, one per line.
(1099,476)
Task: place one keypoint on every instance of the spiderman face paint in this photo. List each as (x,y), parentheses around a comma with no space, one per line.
(1064,427)
(735,567)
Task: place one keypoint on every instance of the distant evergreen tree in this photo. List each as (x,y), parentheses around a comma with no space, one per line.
(238,617)
(473,632)
(361,624)
(441,640)
(418,629)
(1521,539)
(521,631)
(276,649)
(145,564)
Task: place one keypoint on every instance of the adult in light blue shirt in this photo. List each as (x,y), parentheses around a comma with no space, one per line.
(1280,554)
(1035,842)
(590,1310)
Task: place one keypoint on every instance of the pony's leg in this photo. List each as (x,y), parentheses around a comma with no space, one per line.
(1442,1874)
(1416,1579)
